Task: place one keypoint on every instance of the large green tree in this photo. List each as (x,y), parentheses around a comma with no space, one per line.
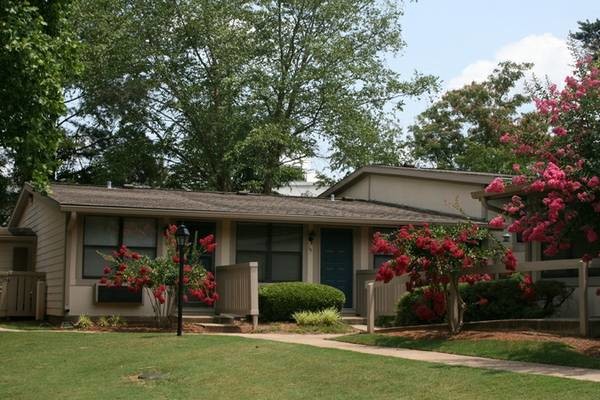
(588,37)
(37,60)
(234,92)
(462,129)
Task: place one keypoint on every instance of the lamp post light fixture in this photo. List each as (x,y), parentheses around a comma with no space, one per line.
(181,236)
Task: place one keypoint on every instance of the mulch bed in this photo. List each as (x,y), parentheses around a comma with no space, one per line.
(590,347)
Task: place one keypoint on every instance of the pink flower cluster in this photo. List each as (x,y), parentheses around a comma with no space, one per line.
(431,256)
(560,174)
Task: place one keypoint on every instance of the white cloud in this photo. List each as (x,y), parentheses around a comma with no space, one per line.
(550,55)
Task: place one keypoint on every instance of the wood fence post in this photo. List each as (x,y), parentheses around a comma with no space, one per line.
(371,307)
(583,299)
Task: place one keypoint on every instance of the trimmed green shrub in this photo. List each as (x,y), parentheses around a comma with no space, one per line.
(327,317)
(279,301)
(493,300)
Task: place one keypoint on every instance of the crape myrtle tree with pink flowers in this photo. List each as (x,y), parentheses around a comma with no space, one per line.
(439,258)
(159,276)
(560,198)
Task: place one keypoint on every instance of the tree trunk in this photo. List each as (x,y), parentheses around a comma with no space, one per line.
(456,307)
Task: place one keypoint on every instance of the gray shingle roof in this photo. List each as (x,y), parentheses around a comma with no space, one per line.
(240,205)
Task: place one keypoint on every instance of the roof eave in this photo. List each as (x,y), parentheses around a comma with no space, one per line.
(429,174)
(254,216)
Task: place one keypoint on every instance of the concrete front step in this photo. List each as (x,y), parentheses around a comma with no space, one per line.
(354,320)
(210,319)
(222,328)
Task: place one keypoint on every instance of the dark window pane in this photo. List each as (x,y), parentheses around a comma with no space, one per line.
(286,267)
(93,263)
(102,231)
(379,259)
(286,238)
(252,237)
(20,259)
(145,251)
(139,232)
(261,258)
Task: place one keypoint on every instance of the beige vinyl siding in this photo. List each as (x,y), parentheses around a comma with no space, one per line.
(427,194)
(48,222)
(6,250)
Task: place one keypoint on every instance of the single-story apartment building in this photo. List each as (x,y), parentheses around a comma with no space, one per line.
(324,239)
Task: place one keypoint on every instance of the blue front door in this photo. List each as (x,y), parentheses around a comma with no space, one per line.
(336,261)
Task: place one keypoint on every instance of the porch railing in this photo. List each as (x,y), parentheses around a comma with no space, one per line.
(22,294)
(237,286)
(381,298)
(385,297)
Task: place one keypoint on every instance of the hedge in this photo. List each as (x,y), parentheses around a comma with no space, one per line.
(505,300)
(278,301)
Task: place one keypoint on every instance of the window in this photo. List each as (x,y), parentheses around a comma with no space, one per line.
(198,230)
(20,259)
(276,247)
(379,259)
(105,234)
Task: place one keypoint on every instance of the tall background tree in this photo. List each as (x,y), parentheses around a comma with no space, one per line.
(587,38)
(462,129)
(230,94)
(37,60)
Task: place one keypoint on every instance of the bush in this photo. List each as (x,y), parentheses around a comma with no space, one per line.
(103,322)
(84,322)
(279,301)
(327,317)
(493,300)
(116,321)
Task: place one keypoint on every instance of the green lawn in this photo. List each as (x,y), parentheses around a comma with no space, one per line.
(58,365)
(532,351)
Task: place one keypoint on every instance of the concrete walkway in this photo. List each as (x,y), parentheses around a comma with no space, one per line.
(582,374)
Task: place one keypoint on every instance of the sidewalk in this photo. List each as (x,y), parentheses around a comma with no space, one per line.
(582,374)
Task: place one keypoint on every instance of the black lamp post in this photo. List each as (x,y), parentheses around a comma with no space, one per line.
(181,236)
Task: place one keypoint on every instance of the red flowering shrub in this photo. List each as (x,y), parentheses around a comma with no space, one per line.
(561,168)
(160,276)
(439,257)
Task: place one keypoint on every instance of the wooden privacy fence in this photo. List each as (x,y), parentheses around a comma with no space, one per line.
(22,294)
(237,286)
(378,298)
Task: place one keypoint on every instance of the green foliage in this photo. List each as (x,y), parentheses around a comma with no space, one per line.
(588,37)
(84,322)
(103,322)
(37,60)
(279,301)
(504,299)
(116,321)
(326,317)
(406,310)
(234,93)
(462,130)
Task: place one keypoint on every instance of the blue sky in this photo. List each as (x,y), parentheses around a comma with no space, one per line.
(462,40)
(446,37)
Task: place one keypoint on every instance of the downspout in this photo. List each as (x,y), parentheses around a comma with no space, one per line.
(70,243)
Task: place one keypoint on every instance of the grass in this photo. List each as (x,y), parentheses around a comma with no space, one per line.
(27,325)
(57,365)
(517,350)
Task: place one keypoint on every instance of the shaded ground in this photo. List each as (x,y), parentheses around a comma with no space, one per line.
(590,347)
(504,345)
